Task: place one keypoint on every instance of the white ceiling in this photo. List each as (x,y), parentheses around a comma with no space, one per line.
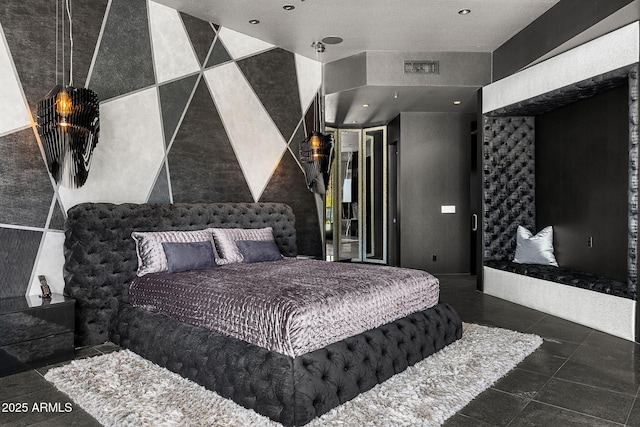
(395,25)
(377,25)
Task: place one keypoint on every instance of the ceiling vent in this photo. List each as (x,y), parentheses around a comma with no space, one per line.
(421,67)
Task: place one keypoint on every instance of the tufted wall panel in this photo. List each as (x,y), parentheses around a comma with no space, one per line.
(508,182)
(634,123)
(100,255)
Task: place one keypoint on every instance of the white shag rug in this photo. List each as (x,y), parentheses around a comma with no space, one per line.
(123,389)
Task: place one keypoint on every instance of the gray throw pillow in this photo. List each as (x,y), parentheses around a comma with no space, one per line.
(151,256)
(259,250)
(189,256)
(536,249)
(225,240)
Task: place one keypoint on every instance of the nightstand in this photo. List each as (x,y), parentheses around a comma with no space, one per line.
(35,332)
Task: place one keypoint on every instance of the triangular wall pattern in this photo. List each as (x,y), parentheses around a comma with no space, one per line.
(202,163)
(219,54)
(173,53)
(174,98)
(264,72)
(15,114)
(256,141)
(201,34)
(161,192)
(171,129)
(124,60)
(240,45)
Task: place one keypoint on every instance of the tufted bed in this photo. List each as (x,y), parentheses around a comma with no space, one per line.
(101,262)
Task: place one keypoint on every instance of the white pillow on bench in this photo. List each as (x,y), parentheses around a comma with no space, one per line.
(536,249)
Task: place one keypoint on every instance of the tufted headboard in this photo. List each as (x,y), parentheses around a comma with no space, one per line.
(100,254)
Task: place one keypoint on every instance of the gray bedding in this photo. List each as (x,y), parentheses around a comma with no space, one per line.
(290,306)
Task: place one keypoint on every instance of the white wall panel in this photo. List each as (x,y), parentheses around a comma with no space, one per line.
(128,155)
(173,54)
(50,263)
(607,53)
(309,79)
(14,113)
(256,140)
(240,45)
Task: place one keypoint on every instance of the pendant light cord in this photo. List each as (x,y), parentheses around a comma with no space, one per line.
(57,40)
(62,43)
(70,44)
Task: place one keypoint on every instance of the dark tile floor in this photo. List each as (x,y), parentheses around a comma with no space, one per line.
(578,377)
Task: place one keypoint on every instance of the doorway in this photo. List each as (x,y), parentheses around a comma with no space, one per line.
(357,199)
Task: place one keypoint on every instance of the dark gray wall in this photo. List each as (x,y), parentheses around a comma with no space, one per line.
(435,155)
(559,24)
(582,180)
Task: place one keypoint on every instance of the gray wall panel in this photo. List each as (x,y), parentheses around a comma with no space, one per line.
(174,97)
(18,249)
(124,62)
(435,159)
(295,193)
(201,34)
(25,188)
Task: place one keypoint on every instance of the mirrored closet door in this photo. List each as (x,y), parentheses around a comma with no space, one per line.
(356,202)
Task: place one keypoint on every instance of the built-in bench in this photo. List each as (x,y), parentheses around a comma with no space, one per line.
(510,192)
(603,304)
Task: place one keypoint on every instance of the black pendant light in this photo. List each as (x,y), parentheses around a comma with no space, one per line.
(316,151)
(68,120)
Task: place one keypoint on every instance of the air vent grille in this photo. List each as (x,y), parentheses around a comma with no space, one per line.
(421,67)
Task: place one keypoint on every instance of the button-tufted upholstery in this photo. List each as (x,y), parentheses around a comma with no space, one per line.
(101,261)
(508,183)
(100,254)
(290,391)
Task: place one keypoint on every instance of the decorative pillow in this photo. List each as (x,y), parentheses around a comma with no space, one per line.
(259,250)
(536,249)
(189,256)
(151,256)
(225,240)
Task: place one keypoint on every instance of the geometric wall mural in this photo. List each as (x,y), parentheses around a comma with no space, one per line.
(189,112)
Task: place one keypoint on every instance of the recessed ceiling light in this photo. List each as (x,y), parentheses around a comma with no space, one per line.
(288,7)
(254,22)
(332,40)
(365,105)
(464,11)
(457,102)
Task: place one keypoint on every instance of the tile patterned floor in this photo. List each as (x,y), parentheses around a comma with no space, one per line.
(578,377)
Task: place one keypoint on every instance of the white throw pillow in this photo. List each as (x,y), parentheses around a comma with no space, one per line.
(536,249)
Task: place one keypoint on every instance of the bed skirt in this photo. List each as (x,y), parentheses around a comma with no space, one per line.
(292,391)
